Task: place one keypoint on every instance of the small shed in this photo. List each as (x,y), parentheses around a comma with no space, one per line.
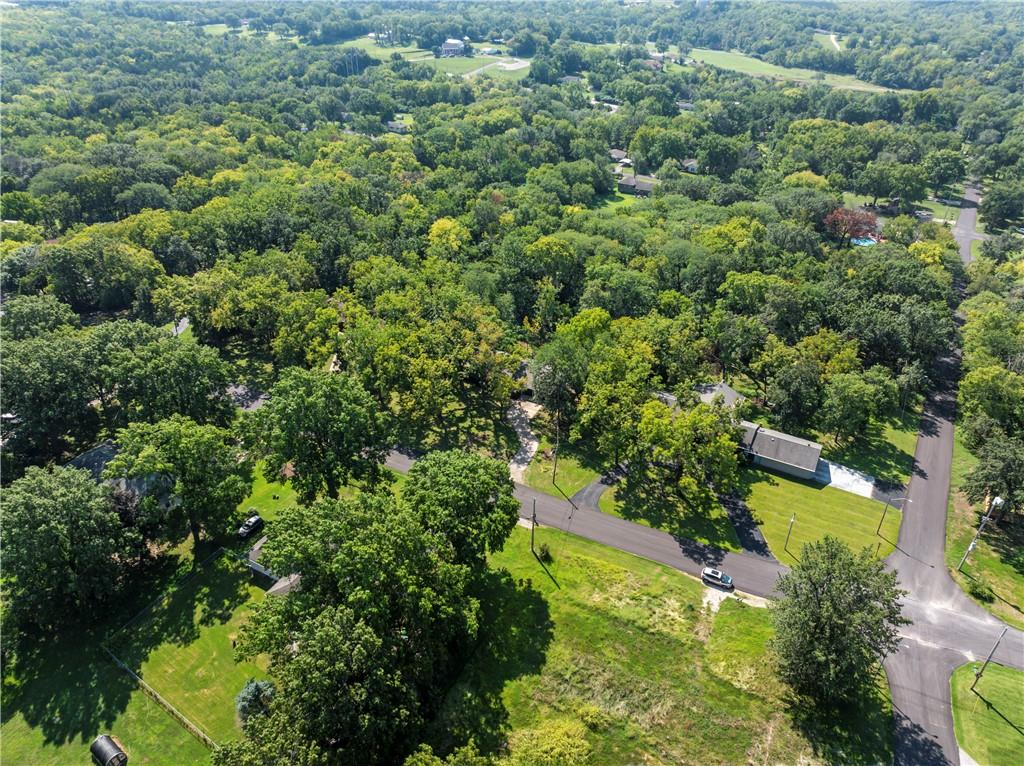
(107,751)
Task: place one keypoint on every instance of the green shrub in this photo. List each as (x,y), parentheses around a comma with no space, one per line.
(544,553)
(981,591)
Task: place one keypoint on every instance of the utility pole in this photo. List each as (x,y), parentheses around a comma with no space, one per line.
(997,502)
(558,434)
(533,525)
(884,510)
(977,674)
(791,520)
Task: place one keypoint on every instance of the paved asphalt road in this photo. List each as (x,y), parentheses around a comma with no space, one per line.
(948,628)
(752,574)
(965,229)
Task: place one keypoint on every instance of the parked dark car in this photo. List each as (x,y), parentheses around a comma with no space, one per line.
(250,526)
(716,577)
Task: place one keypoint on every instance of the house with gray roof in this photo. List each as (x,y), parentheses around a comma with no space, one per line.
(781,452)
(95,461)
(708,392)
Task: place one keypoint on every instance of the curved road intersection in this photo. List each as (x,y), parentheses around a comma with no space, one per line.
(948,629)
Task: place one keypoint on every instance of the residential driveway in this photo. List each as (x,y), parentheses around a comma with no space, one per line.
(519,416)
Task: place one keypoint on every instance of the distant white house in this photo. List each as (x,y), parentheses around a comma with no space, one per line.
(453,47)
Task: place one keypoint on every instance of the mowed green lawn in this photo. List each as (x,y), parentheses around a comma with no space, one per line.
(740,62)
(383,52)
(268,498)
(989,721)
(77,693)
(459,64)
(619,651)
(773,499)
(575,470)
(182,646)
(711,526)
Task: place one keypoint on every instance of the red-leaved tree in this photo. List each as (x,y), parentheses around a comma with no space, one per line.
(845,224)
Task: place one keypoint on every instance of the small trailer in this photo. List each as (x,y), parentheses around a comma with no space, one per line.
(107,751)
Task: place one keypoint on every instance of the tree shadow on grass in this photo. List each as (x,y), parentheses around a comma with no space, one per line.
(847,734)
(1006,538)
(66,687)
(1018,726)
(872,454)
(516,630)
(209,596)
(62,682)
(640,500)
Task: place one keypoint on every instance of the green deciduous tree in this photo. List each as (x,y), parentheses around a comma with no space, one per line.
(1002,203)
(466,500)
(175,375)
(795,393)
(837,619)
(204,470)
(999,471)
(64,544)
(359,649)
(26,316)
(326,427)
(996,392)
(692,453)
(45,387)
(943,167)
(559,375)
(847,405)
(619,384)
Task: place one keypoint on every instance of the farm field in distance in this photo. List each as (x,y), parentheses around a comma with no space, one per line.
(740,62)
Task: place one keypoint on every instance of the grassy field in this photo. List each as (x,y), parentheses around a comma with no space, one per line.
(825,41)
(262,497)
(383,52)
(461,65)
(182,646)
(217,30)
(773,499)
(709,527)
(994,574)
(741,62)
(989,721)
(60,691)
(576,468)
(615,199)
(511,75)
(617,654)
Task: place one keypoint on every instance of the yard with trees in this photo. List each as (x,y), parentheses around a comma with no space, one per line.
(231,282)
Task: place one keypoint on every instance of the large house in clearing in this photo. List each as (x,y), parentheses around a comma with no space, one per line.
(453,47)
